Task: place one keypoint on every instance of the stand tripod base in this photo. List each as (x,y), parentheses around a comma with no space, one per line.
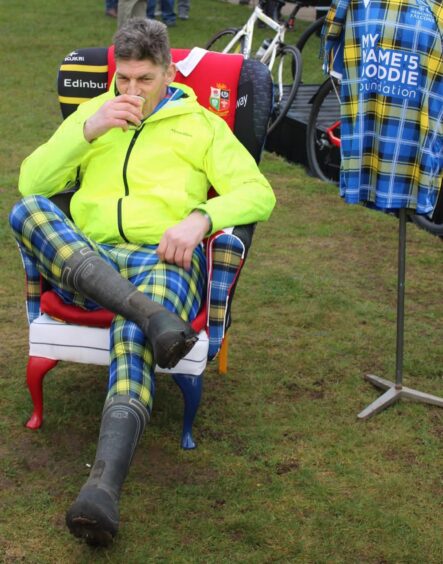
(393,394)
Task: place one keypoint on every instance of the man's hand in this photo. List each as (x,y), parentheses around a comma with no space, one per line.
(117,112)
(178,242)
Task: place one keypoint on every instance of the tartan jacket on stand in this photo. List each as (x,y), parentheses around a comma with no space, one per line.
(388,55)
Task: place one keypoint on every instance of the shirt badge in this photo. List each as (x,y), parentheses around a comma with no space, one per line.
(220,99)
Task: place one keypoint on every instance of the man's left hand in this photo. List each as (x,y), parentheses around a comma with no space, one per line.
(178,242)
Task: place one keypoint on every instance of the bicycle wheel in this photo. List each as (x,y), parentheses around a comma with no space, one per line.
(432,225)
(309,45)
(221,40)
(313,30)
(286,76)
(424,222)
(323,133)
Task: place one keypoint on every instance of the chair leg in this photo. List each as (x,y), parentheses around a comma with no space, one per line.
(191,388)
(35,372)
(223,357)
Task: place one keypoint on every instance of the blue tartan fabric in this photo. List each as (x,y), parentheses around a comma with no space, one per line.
(225,254)
(46,238)
(33,286)
(389,54)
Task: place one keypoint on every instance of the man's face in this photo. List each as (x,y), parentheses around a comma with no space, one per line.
(143,78)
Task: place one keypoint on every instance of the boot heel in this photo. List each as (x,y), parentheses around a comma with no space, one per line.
(171,338)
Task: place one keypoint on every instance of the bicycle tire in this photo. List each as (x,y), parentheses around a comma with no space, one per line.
(314,28)
(284,94)
(434,225)
(221,39)
(323,157)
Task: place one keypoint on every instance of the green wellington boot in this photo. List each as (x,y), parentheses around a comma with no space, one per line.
(94,515)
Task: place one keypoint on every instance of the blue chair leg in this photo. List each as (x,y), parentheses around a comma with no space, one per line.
(191,388)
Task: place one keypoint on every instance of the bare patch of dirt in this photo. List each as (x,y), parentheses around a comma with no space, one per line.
(401,455)
(437,424)
(286,466)
(160,468)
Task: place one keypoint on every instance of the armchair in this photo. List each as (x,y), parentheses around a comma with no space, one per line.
(241,92)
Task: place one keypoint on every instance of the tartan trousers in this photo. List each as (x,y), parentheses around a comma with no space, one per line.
(47,238)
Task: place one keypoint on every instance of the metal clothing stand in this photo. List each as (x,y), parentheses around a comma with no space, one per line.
(396,390)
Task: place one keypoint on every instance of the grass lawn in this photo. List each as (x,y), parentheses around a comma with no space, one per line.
(284,472)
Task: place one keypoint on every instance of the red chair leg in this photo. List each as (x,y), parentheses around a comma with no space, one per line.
(35,372)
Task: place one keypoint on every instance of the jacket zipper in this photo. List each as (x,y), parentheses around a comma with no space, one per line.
(125,182)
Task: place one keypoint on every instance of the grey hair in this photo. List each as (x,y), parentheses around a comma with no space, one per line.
(140,38)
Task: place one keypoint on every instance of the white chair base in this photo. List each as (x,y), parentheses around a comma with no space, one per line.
(49,338)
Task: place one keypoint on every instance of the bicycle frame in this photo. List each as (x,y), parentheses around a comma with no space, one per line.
(330,132)
(247,32)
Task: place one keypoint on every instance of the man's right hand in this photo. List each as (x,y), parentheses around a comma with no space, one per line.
(120,111)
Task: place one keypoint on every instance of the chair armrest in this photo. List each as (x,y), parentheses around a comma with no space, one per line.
(33,286)
(226,252)
(245,234)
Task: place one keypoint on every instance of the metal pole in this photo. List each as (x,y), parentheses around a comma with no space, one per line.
(396,391)
(400,298)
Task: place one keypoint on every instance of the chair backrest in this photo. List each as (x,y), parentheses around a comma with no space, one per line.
(238,90)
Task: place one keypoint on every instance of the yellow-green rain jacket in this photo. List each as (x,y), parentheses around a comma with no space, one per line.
(136,184)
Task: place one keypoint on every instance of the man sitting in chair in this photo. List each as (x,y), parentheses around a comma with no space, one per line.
(144,155)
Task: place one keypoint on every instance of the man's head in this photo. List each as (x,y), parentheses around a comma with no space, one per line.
(143,61)
(139,39)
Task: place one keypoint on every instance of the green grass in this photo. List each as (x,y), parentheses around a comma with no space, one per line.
(284,471)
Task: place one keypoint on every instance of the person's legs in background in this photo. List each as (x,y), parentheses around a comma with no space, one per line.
(150,9)
(168,14)
(167,11)
(183,9)
(111,8)
(130,9)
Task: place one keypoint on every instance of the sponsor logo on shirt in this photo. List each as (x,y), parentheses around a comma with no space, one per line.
(79,83)
(391,72)
(219,99)
(422,12)
(74,57)
(242,101)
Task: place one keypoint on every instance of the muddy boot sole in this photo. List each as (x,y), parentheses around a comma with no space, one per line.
(171,338)
(171,355)
(93,520)
(90,531)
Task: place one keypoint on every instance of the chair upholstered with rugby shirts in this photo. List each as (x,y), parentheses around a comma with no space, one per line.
(238,90)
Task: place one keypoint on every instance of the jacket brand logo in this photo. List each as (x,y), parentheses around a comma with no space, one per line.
(181,132)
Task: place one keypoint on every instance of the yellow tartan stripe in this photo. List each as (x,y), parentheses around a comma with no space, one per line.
(69,100)
(84,68)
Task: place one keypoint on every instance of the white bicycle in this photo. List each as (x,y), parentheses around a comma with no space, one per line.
(284,61)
